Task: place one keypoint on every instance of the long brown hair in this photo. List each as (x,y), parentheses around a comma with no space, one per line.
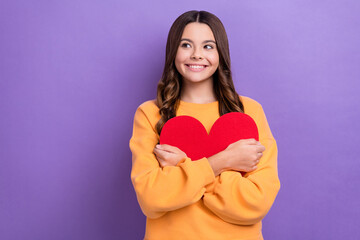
(169,86)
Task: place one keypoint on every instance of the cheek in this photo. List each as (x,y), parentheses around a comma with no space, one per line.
(177,64)
(214,60)
(180,56)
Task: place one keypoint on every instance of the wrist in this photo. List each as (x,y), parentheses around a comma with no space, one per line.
(225,160)
(218,162)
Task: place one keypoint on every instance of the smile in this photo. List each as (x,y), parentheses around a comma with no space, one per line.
(195,68)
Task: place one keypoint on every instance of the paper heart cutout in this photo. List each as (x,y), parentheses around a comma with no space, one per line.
(189,135)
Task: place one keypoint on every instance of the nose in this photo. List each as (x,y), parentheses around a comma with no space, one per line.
(196,54)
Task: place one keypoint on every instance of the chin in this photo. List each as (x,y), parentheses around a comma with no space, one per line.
(196,80)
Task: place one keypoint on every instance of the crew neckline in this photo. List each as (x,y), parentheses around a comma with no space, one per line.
(198,104)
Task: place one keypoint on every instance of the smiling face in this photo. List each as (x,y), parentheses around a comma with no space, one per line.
(197,57)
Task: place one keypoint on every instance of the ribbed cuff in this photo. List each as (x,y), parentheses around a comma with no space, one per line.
(206,169)
(182,160)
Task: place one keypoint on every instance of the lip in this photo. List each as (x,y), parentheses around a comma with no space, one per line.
(194,69)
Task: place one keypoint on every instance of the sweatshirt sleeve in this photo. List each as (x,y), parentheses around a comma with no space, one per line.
(245,200)
(159,190)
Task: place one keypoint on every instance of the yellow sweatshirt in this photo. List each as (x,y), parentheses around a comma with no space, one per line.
(187,201)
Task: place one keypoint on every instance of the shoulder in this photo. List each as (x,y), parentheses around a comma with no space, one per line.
(148,110)
(251,106)
(255,110)
(148,106)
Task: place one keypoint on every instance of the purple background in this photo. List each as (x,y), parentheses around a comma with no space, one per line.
(73,72)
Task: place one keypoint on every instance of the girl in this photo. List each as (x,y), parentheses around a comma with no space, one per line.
(208,198)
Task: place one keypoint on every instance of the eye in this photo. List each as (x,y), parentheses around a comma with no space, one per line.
(185,45)
(208,46)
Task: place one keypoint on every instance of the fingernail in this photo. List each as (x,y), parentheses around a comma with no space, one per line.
(158,146)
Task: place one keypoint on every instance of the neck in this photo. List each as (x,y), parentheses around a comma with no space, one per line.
(198,92)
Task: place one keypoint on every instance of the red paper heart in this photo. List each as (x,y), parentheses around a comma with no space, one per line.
(189,135)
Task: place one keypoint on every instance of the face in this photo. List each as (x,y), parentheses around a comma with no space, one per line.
(197,57)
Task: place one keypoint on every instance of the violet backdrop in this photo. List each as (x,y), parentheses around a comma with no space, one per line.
(72,74)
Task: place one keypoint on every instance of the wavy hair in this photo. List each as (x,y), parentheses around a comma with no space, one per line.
(169,86)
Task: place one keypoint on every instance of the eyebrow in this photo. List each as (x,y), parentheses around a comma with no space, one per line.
(186,39)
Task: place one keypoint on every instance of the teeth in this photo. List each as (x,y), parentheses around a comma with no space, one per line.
(196,66)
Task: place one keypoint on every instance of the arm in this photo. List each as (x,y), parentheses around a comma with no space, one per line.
(245,200)
(160,190)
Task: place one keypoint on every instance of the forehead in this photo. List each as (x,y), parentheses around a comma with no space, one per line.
(196,30)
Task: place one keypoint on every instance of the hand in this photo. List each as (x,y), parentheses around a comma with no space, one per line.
(168,155)
(244,155)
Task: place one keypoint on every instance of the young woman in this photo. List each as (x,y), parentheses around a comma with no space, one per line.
(208,198)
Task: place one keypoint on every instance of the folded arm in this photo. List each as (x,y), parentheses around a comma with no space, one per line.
(160,190)
(245,200)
